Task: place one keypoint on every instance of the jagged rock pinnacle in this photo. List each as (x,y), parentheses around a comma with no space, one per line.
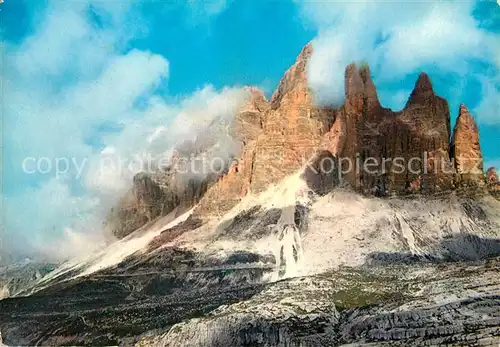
(422,91)
(280,136)
(369,87)
(465,146)
(306,53)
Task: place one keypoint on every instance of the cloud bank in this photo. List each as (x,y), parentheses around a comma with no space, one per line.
(74,89)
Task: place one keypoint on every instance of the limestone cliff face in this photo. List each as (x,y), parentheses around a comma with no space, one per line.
(465,148)
(292,130)
(404,152)
(152,196)
(233,186)
(291,133)
(376,150)
(247,124)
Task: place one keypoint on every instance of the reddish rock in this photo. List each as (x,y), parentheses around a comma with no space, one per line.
(465,148)
(176,188)
(492,175)
(233,186)
(376,136)
(230,188)
(292,130)
(361,115)
(295,133)
(493,183)
(247,124)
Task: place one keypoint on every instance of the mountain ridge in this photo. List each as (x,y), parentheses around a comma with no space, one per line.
(285,134)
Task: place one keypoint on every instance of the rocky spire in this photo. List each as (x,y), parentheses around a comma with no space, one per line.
(422,91)
(370,91)
(493,184)
(306,52)
(359,87)
(247,123)
(295,79)
(353,82)
(428,113)
(255,101)
(465,147)
(492,175)
(279,137)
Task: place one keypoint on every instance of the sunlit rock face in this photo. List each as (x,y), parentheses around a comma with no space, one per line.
(375,150)
(466,149)
(295,132)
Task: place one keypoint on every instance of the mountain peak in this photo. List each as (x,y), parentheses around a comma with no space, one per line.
(276,139)
(465,118)
(353,82)
(306,53)
(423,83)
(492,175)
(465,122)
(465,145)
(255,100)
(422,91)
(369,87)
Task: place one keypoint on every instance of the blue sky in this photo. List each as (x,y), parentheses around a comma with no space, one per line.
(87,79)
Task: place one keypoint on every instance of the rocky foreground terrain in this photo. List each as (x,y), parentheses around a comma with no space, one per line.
(17,276)
(275,251)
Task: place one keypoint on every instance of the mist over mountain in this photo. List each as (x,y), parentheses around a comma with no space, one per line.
(354,202)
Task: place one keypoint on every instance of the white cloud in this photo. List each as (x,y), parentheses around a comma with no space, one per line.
(153,136)
(446,34)
(69,79)
(398,39)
